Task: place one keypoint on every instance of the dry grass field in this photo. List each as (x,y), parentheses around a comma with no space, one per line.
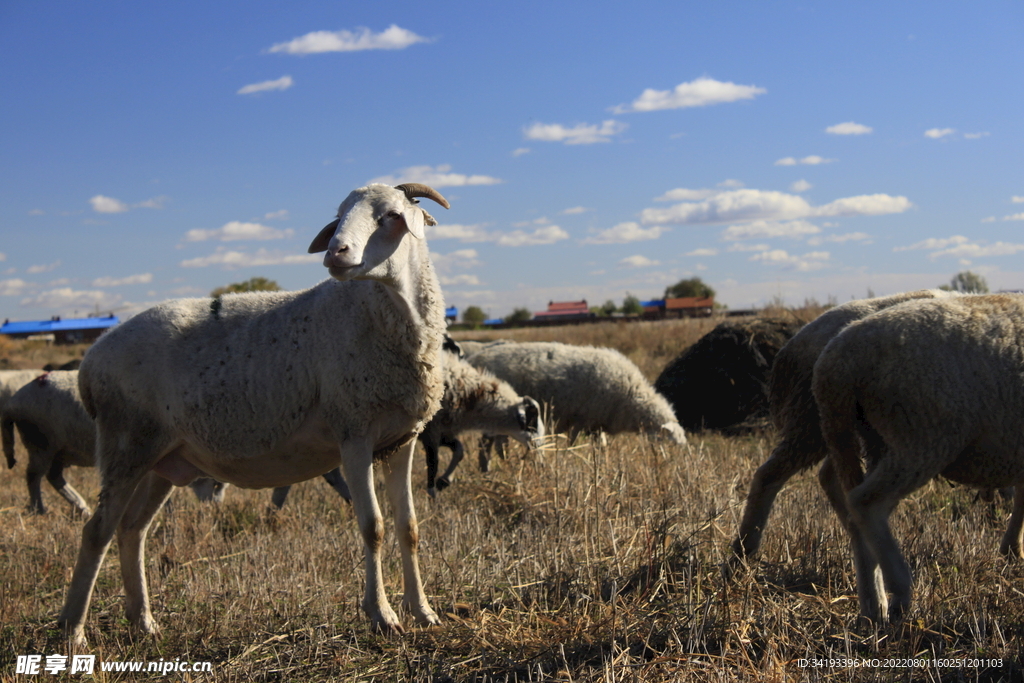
(591,563)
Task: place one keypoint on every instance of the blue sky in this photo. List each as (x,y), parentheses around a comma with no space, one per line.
(795,149)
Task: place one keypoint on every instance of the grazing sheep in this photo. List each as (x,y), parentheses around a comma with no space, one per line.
(722,380)
(12,380)
(475,400)
(58,432)
(266,389)
(589,389)
(925,388)
(795,415)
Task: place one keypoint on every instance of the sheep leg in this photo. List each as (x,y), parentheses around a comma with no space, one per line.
(784,462)
(39,463)
(457,454)
(118,484)
(279,496)
(399,484)
(147,500)
(1011,545)
(432,453)
(870,505)
(56,478)
(357,463)
(483,455)
(335,479)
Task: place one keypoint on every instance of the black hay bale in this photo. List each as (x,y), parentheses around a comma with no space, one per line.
(722,380)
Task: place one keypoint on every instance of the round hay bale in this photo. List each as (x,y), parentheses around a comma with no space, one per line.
(722,380)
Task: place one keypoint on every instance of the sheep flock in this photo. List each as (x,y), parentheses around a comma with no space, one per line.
(343,379)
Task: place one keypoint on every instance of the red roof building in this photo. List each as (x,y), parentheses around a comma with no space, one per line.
(690,307)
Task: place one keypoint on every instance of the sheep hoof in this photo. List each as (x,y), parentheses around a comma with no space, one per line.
(443,483)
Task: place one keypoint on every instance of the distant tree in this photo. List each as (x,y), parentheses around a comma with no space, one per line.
(253,284)
(967,282)
(474,315)
(519,316)
(609,307)
(631,305)
(693,286)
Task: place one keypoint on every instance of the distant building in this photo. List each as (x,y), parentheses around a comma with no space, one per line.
(690,307)
(71,331)
(564,311)
(451,314)
(683,307)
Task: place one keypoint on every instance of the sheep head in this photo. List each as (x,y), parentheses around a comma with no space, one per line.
(370,228)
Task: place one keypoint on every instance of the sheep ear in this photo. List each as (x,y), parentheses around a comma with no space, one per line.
(428,219)
(414,222)
(321,241)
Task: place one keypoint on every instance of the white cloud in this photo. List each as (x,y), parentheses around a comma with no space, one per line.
(230,260)
(543,220)
(101,204)
(276,215)
(580,134)
(800,186)
(761,229)
(749,205)
(814,260)
(864,205)
(237,230)
(282,83)
(1017,200)
(989,219)
(461,259)
(969,250)
(637,261)
(624,233)
(520,151)
(702,252)
(975,136)
(391,38)
(455,231)
(117,282)
(936,133)
(574,210)
(435,176)
(731,183)
(3,256)
(1014,217)
(154,203)
(64,298)
(840,239)
(546,235)
(740,246)
(42,268)
(681,194)
(812,160)
(464,279)
(696,93)
(849,128)
(36,212)
(934,243)
(13,287)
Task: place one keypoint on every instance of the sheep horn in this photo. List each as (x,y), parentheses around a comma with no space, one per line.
(420,190)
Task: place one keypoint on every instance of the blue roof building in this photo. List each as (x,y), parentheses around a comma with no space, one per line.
(70,331)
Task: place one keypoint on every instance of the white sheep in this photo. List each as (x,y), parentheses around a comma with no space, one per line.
(57,432)
(474,400)
(921,389)
(588,389)
(272,388)
(795,414)
(12,380)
